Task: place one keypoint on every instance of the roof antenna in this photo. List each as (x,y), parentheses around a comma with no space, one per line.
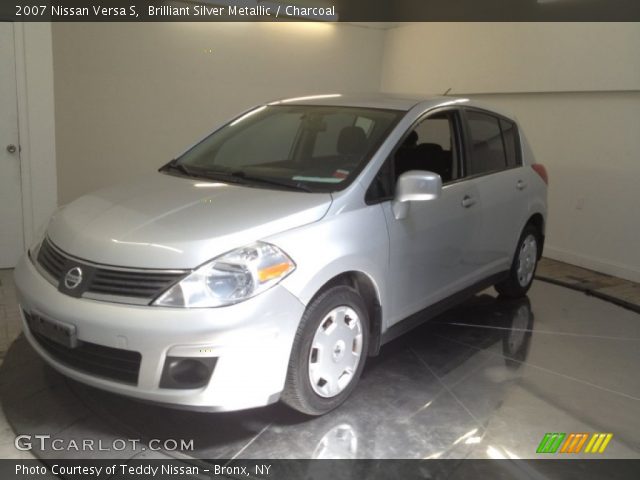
(447,92)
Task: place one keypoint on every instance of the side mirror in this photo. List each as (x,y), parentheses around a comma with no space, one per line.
(415,186)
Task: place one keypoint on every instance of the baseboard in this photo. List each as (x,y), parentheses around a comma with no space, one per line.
(592,263)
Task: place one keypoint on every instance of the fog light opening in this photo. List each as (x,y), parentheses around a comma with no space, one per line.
(187,372)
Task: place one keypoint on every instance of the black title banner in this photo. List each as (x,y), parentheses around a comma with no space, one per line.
(320,10)
(134,469)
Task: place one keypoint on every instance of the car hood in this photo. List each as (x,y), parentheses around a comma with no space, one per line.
(165,221)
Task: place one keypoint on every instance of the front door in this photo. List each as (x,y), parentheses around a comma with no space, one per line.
(11,227)
(430,247)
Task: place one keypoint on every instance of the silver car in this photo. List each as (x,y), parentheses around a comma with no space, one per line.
(269,260)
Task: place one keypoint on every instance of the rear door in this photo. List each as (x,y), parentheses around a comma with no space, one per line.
(494,167)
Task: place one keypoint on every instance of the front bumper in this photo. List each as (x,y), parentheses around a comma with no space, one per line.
(251,341)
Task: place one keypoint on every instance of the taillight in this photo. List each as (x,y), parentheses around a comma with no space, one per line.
(540,170)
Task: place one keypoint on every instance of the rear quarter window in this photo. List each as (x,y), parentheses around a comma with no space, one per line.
(511,144)
(487,148)
(493,141)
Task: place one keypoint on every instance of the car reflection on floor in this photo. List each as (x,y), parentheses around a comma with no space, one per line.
(391,415)
(485,380)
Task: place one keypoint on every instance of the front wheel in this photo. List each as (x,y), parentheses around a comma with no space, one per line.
(329,352)
(523,267)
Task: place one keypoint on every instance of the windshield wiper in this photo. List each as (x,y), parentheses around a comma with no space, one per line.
(241,175)
(178,167)
(232,176)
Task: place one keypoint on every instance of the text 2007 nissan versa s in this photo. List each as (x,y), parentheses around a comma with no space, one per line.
(272,258)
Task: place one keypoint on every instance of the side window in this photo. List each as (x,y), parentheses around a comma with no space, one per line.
(382,187)
(431,145)
(487,148)
(511,144)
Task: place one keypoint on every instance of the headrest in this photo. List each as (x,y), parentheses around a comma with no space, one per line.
(352,141)
(411,140)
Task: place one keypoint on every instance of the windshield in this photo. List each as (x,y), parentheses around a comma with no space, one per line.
(312,148)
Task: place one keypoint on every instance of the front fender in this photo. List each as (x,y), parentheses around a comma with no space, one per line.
(348,241)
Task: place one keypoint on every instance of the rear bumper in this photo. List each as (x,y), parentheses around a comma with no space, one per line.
(251,342)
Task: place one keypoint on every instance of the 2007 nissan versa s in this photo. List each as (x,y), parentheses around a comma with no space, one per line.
(270,259)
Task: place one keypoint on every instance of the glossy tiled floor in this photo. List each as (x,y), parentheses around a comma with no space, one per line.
(486,380)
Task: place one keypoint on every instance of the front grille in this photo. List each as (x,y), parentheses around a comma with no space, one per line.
(135,286)
(106,362)
(51,260)
(131,284)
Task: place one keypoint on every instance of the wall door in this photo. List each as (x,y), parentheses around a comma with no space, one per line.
(11,226)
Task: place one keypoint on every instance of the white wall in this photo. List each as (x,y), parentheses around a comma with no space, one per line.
(129,97)
(590,143)
(512,57)
(576,90)
(34,80)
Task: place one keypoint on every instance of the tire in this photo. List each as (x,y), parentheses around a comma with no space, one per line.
(527,253)
(315,384)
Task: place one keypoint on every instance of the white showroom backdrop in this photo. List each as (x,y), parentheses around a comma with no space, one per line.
(575,87)
(129,97)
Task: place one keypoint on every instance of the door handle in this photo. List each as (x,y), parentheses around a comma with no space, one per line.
(521,185)
(468,201)
(11,148)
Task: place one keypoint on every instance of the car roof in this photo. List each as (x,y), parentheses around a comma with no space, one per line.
(369,100)
(385,100)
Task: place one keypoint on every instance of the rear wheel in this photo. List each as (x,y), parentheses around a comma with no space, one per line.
(524,264)
(329,352)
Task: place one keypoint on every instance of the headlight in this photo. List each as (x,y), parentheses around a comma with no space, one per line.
(230,278)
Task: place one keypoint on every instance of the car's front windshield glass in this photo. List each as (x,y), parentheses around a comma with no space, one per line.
(313,148)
